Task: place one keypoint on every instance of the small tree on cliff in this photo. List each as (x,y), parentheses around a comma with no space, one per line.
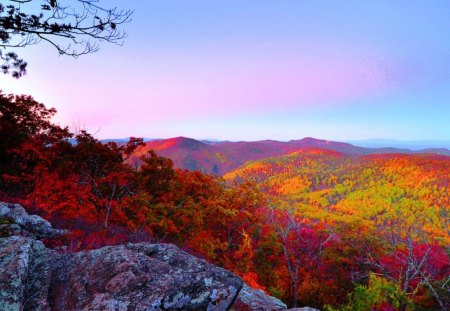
(102,167)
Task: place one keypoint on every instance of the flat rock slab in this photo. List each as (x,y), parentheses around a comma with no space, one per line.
(128,277)
(140,277)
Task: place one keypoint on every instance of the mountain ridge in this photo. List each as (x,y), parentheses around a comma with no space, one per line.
(221,157)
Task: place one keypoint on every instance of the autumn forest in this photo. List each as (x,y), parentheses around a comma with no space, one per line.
(313,172)
(335,230)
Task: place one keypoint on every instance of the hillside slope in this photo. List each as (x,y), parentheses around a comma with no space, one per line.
(222,157)
(324,182)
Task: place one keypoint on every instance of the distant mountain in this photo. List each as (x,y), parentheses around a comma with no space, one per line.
(412,145)
(441,151)
(123,140)
(220,157)
(191,154)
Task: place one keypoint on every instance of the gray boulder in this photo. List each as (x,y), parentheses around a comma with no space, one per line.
(25,224)
(140,277)
(24,274)
(128,277)
(256,299)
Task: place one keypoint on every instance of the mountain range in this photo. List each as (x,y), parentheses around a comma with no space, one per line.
(407,144)
(221,157)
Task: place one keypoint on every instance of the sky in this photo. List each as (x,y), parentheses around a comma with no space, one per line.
(257,69)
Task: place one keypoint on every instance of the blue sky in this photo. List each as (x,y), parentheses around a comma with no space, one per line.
(247,70)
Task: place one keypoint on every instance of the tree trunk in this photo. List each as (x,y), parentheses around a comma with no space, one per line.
(294,295)
(108,211)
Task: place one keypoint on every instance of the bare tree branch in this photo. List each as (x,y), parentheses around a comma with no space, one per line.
(73,27)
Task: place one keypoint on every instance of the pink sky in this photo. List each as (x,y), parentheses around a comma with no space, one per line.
(290,71)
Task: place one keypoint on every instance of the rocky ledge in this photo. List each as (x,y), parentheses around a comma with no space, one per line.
(14,220)
(128,277)
(256,299)
(140,276)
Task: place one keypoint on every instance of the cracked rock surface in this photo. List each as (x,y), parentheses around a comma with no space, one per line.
(255,299)
(140,277)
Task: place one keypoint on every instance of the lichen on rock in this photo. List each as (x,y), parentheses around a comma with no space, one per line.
(256,299)
(17,221)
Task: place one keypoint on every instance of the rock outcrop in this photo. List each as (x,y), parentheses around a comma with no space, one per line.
(140,276)
(18,222)
(256,299)
(24,274)
(128,277)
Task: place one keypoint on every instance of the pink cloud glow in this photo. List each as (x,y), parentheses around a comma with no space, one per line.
(170,90)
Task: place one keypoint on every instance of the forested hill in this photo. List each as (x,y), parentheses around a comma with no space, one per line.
(222,157)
